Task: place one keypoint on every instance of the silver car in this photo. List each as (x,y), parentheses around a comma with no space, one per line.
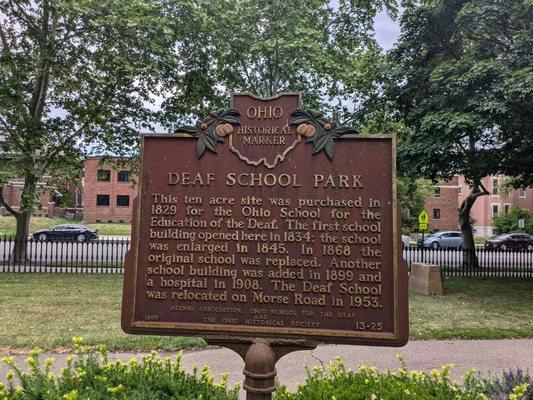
(442,240)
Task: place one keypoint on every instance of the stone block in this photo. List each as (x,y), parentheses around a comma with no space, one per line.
(425,279)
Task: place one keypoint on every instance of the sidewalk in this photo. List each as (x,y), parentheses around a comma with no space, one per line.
(487,356)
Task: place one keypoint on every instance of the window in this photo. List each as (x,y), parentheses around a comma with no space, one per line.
(437,192)
(522,193)
(436,213)
(495,186)
(459,190)
(103,175)
(123,200)
(495,209)
(123,176)
(102,199)
(506,208)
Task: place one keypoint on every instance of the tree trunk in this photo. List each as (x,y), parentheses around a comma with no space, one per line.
(19,253)
(469,248)
(23,218)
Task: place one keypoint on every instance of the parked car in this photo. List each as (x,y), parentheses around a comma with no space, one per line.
(405,241)
(442,240)
(510,241)
(80,233)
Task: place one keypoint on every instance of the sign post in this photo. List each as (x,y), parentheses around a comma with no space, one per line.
(267,228)
(423,220)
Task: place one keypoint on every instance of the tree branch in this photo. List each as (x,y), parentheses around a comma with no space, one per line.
(4,203)
(7,49)
(23,14)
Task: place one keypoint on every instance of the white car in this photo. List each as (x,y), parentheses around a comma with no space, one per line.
(405,241)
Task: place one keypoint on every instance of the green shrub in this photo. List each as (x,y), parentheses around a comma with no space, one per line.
(90,375)
(339,383)
(505,223)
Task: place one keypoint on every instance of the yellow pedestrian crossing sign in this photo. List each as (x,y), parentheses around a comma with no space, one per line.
(423,220)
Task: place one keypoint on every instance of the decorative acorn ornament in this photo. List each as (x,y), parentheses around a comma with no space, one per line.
(228,129)
(306,130)
(203,126)
(220,130)
(224,129)
(327,126)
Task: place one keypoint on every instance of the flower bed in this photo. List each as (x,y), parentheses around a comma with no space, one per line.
(89,375)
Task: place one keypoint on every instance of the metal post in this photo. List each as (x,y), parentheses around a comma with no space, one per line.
(259,372)
(260,356)
(423,259)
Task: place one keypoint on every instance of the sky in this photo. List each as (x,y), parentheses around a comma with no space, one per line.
(387,30)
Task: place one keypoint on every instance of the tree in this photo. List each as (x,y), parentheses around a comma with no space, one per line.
(325,50)
(506,223)
(465,88)
(412,194)
(75,75)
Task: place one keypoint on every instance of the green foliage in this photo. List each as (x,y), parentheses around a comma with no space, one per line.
(339,383)
(465,88)
(77,75)
(505,223)
(90,375)
(412,194)
(267,47)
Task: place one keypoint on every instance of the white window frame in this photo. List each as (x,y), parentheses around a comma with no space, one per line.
(492,209)
(507,208)
(497,187)
(522,193)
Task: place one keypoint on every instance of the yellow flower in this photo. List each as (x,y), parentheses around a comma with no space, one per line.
(8,360)
(116,389)
(73,395)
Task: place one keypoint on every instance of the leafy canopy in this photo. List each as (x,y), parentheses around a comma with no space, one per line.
(322,48)
(78,75)
(465,87)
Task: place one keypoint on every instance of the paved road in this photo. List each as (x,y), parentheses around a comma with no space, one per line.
(486,356)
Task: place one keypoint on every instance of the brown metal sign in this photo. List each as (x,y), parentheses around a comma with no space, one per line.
(267,220)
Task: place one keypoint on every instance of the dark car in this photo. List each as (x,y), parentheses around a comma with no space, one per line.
(510,241)
(79,233)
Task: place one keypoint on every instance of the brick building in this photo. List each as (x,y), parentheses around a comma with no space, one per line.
(442,207)
(47,204)
(444,204)
(499,201)
(108,192)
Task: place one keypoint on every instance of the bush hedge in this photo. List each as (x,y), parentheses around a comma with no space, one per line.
(339,383)
(89,375)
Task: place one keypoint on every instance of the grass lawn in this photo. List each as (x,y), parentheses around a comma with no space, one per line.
(8,225)
(48,310)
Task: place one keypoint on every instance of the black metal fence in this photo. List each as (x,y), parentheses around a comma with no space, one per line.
(107,256)
(62,256)
(486,263)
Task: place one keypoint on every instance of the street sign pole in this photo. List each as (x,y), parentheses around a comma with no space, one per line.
(423,259)
(423,220)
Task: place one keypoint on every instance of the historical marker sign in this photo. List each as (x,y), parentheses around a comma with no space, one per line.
(267,220)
